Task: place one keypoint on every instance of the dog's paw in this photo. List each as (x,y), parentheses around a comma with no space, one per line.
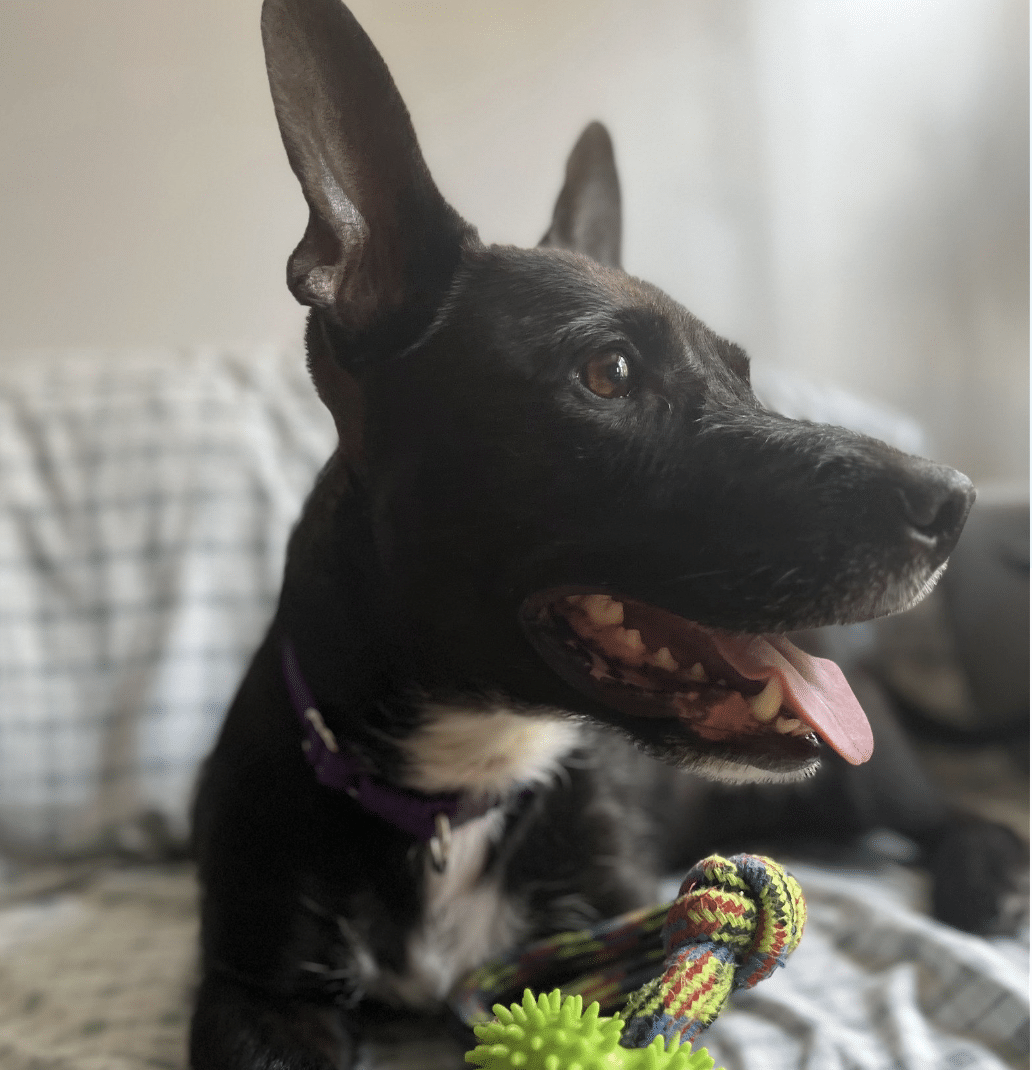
(980,877)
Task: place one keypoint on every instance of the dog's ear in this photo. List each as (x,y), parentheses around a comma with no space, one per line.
(382,244)
(587,214)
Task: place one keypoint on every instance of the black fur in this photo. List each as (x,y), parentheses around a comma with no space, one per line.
(477,468)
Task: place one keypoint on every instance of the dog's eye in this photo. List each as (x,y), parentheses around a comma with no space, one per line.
(608,375)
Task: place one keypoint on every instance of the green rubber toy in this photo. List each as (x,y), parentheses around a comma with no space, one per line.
(552,1033)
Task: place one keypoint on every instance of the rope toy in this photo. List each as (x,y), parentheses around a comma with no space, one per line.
(734,922)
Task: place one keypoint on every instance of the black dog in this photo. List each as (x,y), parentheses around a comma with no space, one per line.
(558,521)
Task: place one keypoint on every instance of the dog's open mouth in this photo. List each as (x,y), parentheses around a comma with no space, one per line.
(756,700)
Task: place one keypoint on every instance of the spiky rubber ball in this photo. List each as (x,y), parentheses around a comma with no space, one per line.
(552,1033)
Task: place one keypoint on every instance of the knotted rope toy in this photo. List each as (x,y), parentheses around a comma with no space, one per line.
(735,920)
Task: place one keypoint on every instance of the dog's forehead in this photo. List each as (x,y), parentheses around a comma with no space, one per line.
(557,283)
(544,298)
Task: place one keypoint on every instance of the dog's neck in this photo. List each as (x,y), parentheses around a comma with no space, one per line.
(495,755)
(405,755)
(331,583)
(336,765)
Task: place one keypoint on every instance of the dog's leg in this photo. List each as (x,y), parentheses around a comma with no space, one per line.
(979,875)
(235,1027)
(250,1009)
(974,863)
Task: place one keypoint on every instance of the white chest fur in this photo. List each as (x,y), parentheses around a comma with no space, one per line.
(481,749)
(466,920)
(485,749)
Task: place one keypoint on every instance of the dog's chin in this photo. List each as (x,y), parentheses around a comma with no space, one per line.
(732,707)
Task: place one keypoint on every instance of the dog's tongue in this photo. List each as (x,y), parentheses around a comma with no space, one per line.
(814,688)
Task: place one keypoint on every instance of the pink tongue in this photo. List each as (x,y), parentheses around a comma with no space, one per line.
(815,689)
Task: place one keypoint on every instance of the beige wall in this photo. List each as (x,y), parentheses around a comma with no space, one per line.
(841,185)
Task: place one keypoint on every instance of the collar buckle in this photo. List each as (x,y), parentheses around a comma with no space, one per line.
(440,843)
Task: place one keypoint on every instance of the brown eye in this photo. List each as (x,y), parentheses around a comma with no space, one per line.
(608,375)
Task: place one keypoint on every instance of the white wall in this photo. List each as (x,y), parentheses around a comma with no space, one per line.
(841,185)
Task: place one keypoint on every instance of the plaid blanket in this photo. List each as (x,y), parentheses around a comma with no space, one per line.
(96,970)
(147,497)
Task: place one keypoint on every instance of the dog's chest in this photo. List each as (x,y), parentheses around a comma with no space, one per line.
(466,919)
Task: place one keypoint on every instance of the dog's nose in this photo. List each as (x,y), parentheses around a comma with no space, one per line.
(936,501)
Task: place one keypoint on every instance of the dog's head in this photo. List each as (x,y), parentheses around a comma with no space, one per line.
(574,499)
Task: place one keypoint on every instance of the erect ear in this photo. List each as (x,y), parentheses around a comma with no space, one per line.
(587,214)
(382,244)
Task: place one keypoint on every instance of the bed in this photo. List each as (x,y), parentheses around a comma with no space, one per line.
(147,496)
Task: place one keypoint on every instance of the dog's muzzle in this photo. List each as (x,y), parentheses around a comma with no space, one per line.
(754,699)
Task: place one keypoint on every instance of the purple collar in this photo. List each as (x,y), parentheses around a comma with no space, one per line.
(425,817)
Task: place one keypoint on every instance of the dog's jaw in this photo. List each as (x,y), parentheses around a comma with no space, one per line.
(486,747)
(911,592)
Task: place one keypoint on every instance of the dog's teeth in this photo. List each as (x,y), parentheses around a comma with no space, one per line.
(785,725)
(663,659)
(599,669)
(602,610)
(631,642)
(624,644)
(766,704)
(698,673)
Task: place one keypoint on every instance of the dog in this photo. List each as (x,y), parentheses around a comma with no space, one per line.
(551,564)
